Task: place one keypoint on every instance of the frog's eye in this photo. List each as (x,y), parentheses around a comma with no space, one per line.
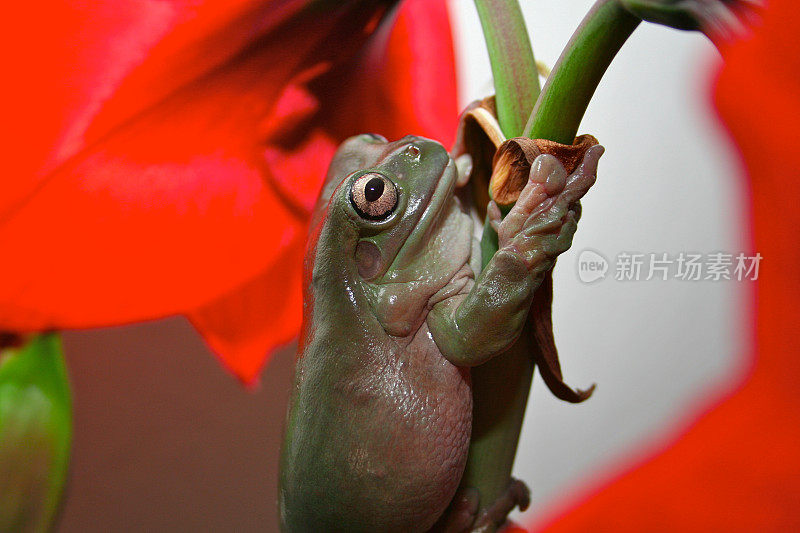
(373,195)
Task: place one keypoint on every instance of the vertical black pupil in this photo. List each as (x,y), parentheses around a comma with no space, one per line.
(374,189)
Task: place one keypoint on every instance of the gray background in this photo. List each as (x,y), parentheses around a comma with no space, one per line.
(166,441)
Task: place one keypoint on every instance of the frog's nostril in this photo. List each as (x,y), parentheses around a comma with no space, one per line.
(413,150)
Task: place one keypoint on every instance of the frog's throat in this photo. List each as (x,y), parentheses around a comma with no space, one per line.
(428,221)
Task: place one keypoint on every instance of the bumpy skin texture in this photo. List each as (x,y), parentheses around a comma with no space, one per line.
(380,419)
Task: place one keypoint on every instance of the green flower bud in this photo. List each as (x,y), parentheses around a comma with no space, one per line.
(35,431)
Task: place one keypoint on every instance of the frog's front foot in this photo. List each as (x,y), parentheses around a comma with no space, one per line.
(463,515)
(543,221)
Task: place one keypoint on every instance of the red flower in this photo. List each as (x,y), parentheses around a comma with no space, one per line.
(162,157)
(738,467)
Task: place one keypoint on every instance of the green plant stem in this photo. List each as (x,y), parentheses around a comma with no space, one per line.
(35,433)
(570,86)
(516,80)
(501,387)
(500,390)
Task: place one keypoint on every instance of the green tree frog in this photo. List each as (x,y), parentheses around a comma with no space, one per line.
(396,311)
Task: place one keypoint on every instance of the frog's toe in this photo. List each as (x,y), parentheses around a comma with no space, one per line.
(548,171)
(494,216)
(516,494)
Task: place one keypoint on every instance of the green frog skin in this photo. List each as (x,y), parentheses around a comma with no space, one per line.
(380,417)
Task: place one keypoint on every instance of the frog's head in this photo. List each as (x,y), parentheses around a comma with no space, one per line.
(397,200)
(393,193)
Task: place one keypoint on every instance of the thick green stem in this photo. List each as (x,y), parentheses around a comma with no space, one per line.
(501,386)
(570,86)
(516,80)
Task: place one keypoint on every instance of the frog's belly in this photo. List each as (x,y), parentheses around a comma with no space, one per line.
(413,461)
(397,445)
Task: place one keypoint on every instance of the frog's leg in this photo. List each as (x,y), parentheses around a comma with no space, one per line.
(462,515)
(470,329)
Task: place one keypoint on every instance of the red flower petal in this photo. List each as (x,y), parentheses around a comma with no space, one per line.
(738,467)
(402,83)
(165,154)
(82,70)
(150,207)
(405,82)
(243,326)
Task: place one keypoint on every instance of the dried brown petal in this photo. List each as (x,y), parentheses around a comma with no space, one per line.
(479,135)
(513,160)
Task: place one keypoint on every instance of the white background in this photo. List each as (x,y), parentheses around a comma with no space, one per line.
(659,351)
